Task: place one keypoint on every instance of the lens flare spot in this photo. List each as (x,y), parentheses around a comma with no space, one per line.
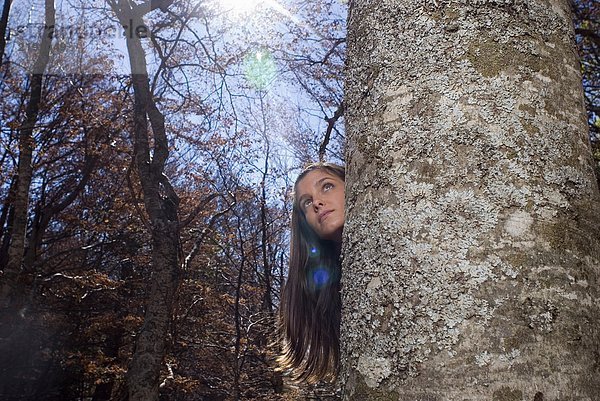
(260,69)
(320,277)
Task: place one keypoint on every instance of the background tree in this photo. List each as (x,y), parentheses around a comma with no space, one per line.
(22,181)
(151,152)
(471,244)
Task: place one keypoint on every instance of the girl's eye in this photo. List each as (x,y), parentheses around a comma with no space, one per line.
(327,186)
(306,203)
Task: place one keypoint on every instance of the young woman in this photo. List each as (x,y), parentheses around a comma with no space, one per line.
(310,304)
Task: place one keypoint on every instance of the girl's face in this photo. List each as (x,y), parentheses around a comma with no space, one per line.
(321,198)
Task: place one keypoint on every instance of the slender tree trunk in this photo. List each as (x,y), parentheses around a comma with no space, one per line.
(471,253)
(268,300)
(238,357)
(161,204)
(3,27)
(16,246)
(17,355)
(6,218)
(46,212)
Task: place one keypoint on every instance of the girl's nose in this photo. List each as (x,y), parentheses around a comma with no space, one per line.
(317,203)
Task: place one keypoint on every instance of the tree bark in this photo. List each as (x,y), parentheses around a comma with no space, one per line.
(18,232)
(161,204)
(471,247)
(3,27)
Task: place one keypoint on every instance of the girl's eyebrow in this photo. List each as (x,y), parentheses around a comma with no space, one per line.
(318,183)
(302,199)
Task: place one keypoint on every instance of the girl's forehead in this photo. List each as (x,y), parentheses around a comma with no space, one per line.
(313,177)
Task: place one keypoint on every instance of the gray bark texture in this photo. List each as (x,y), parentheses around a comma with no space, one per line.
(151,151)
(471,249)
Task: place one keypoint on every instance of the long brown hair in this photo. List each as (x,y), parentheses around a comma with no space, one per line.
(310,306)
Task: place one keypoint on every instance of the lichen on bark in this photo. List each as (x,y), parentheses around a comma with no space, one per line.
(471,252)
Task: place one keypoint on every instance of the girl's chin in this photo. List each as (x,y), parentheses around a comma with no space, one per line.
(334,234)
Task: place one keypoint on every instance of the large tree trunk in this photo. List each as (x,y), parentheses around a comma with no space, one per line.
(472,252)
(161,204)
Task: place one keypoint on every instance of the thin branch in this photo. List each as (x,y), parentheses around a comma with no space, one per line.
(201,205)
(135,198)
(330,126)
(203,234)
